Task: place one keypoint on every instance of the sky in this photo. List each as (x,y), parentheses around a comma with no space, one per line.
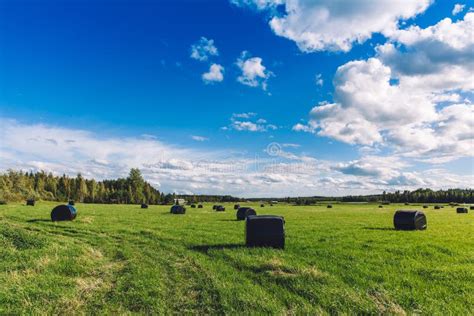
(254,98)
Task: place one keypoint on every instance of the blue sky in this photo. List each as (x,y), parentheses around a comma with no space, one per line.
(123,71)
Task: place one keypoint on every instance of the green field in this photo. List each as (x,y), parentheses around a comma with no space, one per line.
(122,259)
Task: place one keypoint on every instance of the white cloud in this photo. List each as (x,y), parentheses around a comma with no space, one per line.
(319,80)
(203,49)
(335,25)
(175,169)
(415,116)
(215,74)
(199,138)
(248,122)
(254,73)
(244,115)
(458,8)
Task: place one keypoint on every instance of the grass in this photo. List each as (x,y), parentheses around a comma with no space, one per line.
(126,260)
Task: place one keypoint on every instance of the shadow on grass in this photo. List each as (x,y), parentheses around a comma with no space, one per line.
(206,248)
(379,228)
(36,220)
(229,220)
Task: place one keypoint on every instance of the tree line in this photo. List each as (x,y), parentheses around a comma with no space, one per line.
(416,196)
(19,186)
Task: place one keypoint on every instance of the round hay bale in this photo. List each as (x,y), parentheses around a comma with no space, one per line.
(178,209)
(425,206)
(265,231)
(144,205)
(236,206)
(220,208)
(380,206)
(193,205)
(471,208)
(437,207)
(200,206)
(71,202)
(63,213)
(407,203)
(243,212)
(462,210)
(262,205)
(30,202)
(409,220)
(214,207)
(329,206)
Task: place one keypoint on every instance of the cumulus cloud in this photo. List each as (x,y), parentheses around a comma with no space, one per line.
(458,8)
(203,49)
(254,73)
(421,114)
(249,122)
(176,169)
(329,25)
(215,74)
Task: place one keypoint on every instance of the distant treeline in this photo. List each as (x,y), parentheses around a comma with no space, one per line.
(19,186)
(417,196)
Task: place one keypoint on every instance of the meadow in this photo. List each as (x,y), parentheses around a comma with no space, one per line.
(121,259)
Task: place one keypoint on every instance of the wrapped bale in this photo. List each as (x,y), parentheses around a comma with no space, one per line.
(380,206)
(30,202)
(63,213)
(425,206)
(243,212)
(262,205)
(200,206)
(71,202)
(329,206)
(409,220)
(193,205)
(265,231)
(471,208)
(437,207)
(178,209)
(220,208)
(214,207)
(461,210)
(144,205)
(236,206)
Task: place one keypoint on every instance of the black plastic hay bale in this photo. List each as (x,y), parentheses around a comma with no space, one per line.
(220,208)
(200,206)
(471,208)
(243,212)
(437,207)
(407,203)
(425,206)
(71,202)
(462,210)
(380,206)
(178,209)
(214,207)
(30,202)
(409,220)
(144,205)
(329,206)
(265,231)
(236,206)
(193,205)
(63,213)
